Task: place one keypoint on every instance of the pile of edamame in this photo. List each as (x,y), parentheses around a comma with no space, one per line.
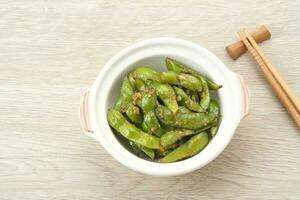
(166,116)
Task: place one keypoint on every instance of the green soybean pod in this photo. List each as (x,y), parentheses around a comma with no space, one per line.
(150,124)
(185,80)
(134,114)
(131,80)
(209,126)
(187,101)
(162,153)
(165,115)
(189,82)
(171,137)
(193,121)
(190,148)
(166,128)
(214,107)
(129,131)
(139,148)
(139,84)
(125,97)
(169,77)
(166,93)
(212,85)
(145,73)
(213,130)
(146,101)
(198,120)
(193,95)
(205,96)
(174,145)
(188,120)
(176,66)
(183,109)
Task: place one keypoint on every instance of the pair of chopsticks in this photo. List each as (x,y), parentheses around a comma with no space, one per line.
(286,96)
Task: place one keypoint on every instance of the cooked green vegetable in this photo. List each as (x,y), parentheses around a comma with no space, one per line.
(166,93)
(145,73)
(151,124)
(188,120)
(187,101)
(125,96)
(185,80)
(176,66)
(162,153)
(208,126)
(171,137)
(213,131)
(212,86)
(139,148)
(134,113)
(183,109)
(125,105)
(131,80)
(204,95)
(193,95)
(193,146)
(163,115)
(146,100)
(129,131)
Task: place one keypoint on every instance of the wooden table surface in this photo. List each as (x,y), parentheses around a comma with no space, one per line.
(51,51)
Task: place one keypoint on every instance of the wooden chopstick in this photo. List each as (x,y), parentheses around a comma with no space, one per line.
(274,72)
(282,95)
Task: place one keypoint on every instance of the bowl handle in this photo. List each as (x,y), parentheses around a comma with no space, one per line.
(84,114)
(246,95)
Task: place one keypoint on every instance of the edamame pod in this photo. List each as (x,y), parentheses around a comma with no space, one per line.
(134,114)
(213,131)
(204,95)
(212,86)
(187,101)
(166,128)
(189,120)
(176,66)
(193,95)
(145,73)
(183,109)
(171,137)
(139,84)
(150,124)
(146,101)
(124,103)
(131,80)
(174,145)
(129,131)
(185,80)
(193,146)
(165,115)
(139,148)
(214,108)
(162,153)
(125,97)
(213,123)
(166,93)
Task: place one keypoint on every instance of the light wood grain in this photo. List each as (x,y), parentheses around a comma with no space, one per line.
(51,51)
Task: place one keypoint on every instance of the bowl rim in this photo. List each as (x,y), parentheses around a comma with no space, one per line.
(128,159)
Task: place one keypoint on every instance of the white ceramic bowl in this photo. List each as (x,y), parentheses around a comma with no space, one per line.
(233,97)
